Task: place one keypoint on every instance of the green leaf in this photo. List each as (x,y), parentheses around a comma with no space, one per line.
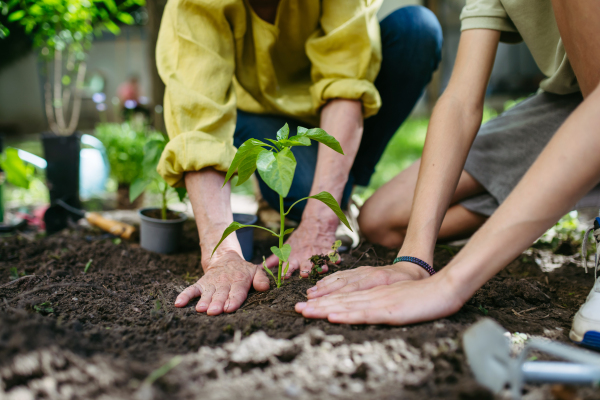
(284,253)
(329,201)
(284,132)
(181,193)
(17,172)
(244,151)
(16,16)
(277,170)
(276,143)
(14,274)
(125,18)
(137,187)
(87,266)
(321,136)
(268,270)
(295,141)
(288,231)
(110,4)
(234,226)
(248,165)
(286,269)
(112,27)
(153,149)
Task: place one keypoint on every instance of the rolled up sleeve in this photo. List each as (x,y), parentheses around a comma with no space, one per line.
(195,59)
(489,14)
(345,54)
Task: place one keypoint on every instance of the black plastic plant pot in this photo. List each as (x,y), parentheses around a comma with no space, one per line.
(62,172)
(160,235)
(246,235)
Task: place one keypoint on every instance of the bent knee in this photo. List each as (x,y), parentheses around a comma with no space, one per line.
(418,26)
(377,228)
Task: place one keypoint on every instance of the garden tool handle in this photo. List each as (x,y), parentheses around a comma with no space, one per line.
(117,228)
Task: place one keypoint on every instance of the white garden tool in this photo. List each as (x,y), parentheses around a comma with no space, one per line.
(488,354)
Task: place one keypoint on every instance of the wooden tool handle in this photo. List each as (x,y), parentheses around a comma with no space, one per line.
(117,228)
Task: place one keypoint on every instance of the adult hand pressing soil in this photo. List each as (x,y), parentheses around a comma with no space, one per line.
(225,284)
(227,276)
(364,278)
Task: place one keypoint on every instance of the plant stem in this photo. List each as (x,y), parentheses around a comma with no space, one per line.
(282,215)
(164,202)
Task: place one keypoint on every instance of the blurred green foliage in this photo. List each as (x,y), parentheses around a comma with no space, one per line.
(17,172)
(67,24)
(125,148)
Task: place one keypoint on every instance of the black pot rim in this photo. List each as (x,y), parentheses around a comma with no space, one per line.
(182,216)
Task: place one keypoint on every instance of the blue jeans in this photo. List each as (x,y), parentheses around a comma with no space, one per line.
(411,50)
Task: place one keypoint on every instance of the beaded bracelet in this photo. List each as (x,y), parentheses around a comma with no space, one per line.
(417,261)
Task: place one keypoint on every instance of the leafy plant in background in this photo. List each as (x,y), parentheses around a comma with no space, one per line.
(16,171)
(63,31)
(152,152)
(125,148)
(276,165)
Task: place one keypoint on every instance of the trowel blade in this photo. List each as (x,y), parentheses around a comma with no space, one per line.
(488,354)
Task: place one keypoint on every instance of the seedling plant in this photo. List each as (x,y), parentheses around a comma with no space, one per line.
(152,152)
(276,165)
(320,260)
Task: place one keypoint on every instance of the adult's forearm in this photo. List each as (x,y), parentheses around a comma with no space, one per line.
(343,120)
(564,172)
(212,210)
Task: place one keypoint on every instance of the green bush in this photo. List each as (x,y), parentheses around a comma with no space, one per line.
(125,148)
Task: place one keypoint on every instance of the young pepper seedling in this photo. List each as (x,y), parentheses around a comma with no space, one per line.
(276,165)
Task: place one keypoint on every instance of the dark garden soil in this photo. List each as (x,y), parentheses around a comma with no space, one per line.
(69,334)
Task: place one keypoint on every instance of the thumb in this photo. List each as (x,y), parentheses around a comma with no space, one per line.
(261,281)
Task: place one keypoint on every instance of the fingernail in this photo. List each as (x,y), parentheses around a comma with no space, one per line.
(202,305)
(332,316)
(300,306)
(309,309)
(178,302)
(305,272)
(213,309)
(311,300)
(312,289)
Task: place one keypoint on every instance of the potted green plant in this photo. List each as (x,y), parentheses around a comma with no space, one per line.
(14,171)
(63,31)
(276,165)
(125,151)
(160,228)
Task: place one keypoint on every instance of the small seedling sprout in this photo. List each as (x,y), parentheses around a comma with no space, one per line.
(44,308)
(87,266)
(276,165)
(14,274)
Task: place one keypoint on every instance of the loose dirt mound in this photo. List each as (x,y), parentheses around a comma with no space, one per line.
(107,330)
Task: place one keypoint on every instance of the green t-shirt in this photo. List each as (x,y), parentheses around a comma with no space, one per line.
(533,22)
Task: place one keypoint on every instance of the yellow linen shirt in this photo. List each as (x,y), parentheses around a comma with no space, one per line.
(533,22)
(215,56)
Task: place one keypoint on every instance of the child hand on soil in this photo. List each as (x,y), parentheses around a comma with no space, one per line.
(401,303)
(363,278)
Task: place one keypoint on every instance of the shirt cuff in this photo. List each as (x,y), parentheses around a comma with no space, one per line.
(193,151)
(350,89)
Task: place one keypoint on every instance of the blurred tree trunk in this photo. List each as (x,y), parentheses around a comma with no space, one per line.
(155,12)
